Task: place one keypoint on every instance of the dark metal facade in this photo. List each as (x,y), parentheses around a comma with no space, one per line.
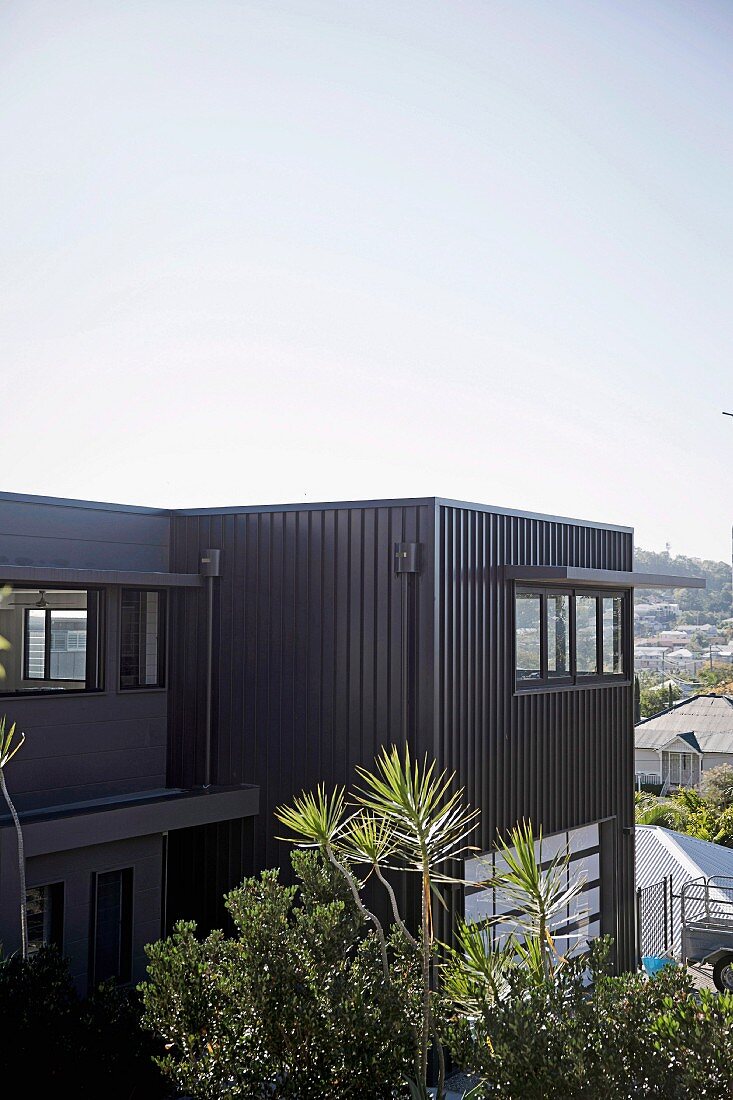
(561,758)
(323,651)
(313,666)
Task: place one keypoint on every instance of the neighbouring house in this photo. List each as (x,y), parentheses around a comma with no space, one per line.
(179,674)
(649,657)
(674,637)
(678,745)
(665,861)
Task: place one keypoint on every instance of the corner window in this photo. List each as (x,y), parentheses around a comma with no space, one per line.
(55,637)
(45,910)
(565,637)
(142,639)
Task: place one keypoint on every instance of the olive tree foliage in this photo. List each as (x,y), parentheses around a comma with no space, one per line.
(295,1005)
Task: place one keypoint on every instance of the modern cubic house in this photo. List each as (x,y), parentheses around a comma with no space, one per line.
(179,674)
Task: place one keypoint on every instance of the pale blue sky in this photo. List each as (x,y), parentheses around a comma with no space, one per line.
(272,251)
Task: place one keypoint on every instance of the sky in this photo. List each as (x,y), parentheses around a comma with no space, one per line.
(273,251)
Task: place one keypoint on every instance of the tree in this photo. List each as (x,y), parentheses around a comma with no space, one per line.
(664,812)
(717,680)
(7,752)
(717,786)
(406,818)
(296,1005)
(653,700)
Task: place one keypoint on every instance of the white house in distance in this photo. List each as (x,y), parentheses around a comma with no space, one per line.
(681,743)
(649,657)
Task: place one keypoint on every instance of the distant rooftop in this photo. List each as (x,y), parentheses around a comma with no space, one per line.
(708,717)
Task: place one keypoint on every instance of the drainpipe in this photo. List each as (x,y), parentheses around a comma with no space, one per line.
(407,561)
(210,568)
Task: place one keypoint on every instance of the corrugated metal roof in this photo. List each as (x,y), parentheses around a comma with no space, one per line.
(708,717)
(662,852)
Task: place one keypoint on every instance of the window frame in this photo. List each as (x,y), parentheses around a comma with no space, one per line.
(127,926)
(47,646)
(163,613)
(574,679)
(57,915)
(96,648)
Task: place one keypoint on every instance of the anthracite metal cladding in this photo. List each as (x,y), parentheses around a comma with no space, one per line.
(312,666)
(323,652)
(560,758)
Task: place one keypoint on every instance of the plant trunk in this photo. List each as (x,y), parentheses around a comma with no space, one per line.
(21,866)
(426,944)
(366,913)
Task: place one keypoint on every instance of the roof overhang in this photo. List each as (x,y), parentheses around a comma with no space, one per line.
(597,578)
(680,739)
(51,574)
(63,828)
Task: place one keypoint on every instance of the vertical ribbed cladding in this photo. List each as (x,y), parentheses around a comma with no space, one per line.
(310,664)
(562,759)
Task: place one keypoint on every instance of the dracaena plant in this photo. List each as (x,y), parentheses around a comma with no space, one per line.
(480,966)
(407,817)
(540,895)
(9,745)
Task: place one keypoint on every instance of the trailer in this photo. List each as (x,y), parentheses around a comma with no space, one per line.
(706,915)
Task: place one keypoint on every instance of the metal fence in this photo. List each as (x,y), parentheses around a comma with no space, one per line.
(657,908)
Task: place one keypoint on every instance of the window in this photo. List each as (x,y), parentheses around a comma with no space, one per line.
(586,635)
(55,637)
(45,910)
(613,642)
(558,636)
(142,640)
(112,927)
(529,635)
(568,637)
(48,652)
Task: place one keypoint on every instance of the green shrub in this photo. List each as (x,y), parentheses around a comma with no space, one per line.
(295,1005)
(717,786)
(38,1015)
(623,1037)
(91,1048)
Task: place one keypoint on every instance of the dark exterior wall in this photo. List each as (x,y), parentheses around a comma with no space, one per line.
(86,746)
(82,746)
(75,868)
(309,654)
(41,532)
(561,758)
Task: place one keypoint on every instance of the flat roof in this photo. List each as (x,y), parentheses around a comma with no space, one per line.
(308,506)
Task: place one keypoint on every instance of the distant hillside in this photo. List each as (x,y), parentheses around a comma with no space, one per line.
(715,601)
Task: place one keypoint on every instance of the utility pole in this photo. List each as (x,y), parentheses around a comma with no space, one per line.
(731,532)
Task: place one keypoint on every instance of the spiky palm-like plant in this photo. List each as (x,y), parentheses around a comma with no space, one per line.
(406,817)
(7,752)
(318,822)
(429,828)
(540,896)
(665,812)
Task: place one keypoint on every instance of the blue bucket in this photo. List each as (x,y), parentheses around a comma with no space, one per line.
(654,963)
